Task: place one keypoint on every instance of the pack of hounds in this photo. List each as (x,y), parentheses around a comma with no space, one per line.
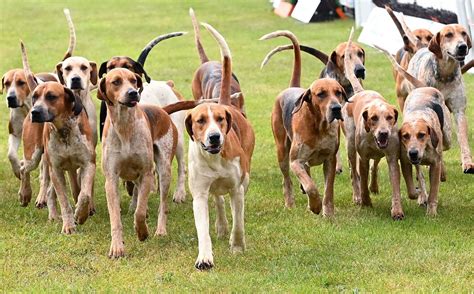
(142,125)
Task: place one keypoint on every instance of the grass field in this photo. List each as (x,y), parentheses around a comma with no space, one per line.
(288,250)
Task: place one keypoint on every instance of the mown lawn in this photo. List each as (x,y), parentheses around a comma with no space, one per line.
(288,250)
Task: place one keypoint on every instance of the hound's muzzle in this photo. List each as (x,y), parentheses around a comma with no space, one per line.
(382,139)
(359,71)
(41,115)
(12,101)
(132,98)
(213,143)
(335,112)
(76,83)
(414,156)
(461,52)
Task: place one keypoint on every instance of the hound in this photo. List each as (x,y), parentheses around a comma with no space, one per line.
(159,93)
(371,132)
(424,135)
(135,136)
(206,83)
(438,66)
(18,97)
(220,150)
(306,132)
(413,41)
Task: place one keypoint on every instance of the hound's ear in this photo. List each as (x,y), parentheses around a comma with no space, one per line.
(434,137)
(59,72)
(76,101)
(363,55)
(139,83)
(396,116)
(103,69)
(101,91)
(306,96)
(138,68)
(228,118)
(3,84)
(435,47)
(468,41)
(93,78)
(365,115)
(407,44)
(189,125)
(344,94)
(333,57)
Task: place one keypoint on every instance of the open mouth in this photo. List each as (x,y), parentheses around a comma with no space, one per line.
(77,86)
(13,105)
(131,103)
(415,161)
(382,143)
(213,149)
(459,58)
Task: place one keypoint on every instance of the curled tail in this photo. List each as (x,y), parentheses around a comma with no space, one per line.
(296,76)
(30,78)
(349,66)
(226,64)
(72,35)
(414,81)
(197,37)
(310,50)
(144,54)
(185,105)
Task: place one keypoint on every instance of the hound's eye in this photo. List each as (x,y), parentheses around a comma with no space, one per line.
(420,136)
(34,98)
(67,68)
(83,67)
(449,35)
(20,83)
(389,117)
(464,34)
(322,95)
(50,97)
(428,38)
(343,56)
(201,121)
(219,119)
(406,136)
(117,82)
(133,81)
(375,118)
(419,38)
(338,93)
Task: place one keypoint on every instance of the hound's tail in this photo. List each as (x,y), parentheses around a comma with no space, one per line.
(30,78)
(467,66)
(349,66)
(72,35)
(310,50)
(187,104)
(296,76)
(226,64)
(414,81)
(144,54)
(197,37)
(403,29)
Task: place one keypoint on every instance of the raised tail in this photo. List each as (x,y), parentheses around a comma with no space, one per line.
(349,66)
(296,76)
(403,29)
(30,78)
(185,105)
(226,64)
(144,54)
(414,81)
(72,35)
(197,37)
(310,50)
(467,66)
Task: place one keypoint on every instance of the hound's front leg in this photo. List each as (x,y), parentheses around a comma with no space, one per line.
(87,174)
(329,168)
(13,145)
(143,192)
(221,219)
(59,183)
(113,204)
(314,200)
(466,159)
(435,173)
(394,172)
(205,259)
(237,237)
(164,173)
(42,198)
(407,171)
(180,193)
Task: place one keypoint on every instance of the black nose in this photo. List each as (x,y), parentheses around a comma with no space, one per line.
(76,80)
(36,115)
(413,154)
(132,93)
(462,49)
(336,107)
(214,138)
(383,135)
(359,71)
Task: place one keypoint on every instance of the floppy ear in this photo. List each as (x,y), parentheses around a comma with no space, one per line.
(468,41)
(363,55)
(76,101)
(189,126)
(103,69)
(396,116)
(93,77)
(434,137)
(306,96)
(138,68)
(228,118)
(344,95)
(101,91)
(435,47)
(59,72)
(365,115)
(407,44)
(139,83)
(3,84)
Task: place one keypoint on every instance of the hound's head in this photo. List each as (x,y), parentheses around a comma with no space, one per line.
(452,40)
(416,137)
(52,101)
(357,56)
(380,119)
(77,72)
(120,87)
(325,96)
(423,37)
(208,124)
(17,91)
(123,62)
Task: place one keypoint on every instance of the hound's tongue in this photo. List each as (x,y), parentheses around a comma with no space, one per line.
(133,103)
(382,143)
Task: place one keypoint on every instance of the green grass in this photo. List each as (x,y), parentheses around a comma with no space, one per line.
(358,250)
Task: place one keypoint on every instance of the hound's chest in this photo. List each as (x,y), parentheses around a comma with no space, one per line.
(320,148)
(68,153)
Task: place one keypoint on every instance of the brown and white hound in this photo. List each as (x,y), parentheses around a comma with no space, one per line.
(306,132)
(220,151)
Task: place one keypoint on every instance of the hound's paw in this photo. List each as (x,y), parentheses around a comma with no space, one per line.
(374,188)
(41,203)
(179,196)
(117,249)
(160,231)
(328,211)
(237,249)
(91,208)
(432,210)
(397,214)
(142,232)
(315,205)
(468,168)
(289,202)
(204,262)
(25,196)
(338,170)
(357,199)
(222,230)
(82,210)
(68,228)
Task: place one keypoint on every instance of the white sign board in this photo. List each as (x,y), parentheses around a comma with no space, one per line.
(304,10)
